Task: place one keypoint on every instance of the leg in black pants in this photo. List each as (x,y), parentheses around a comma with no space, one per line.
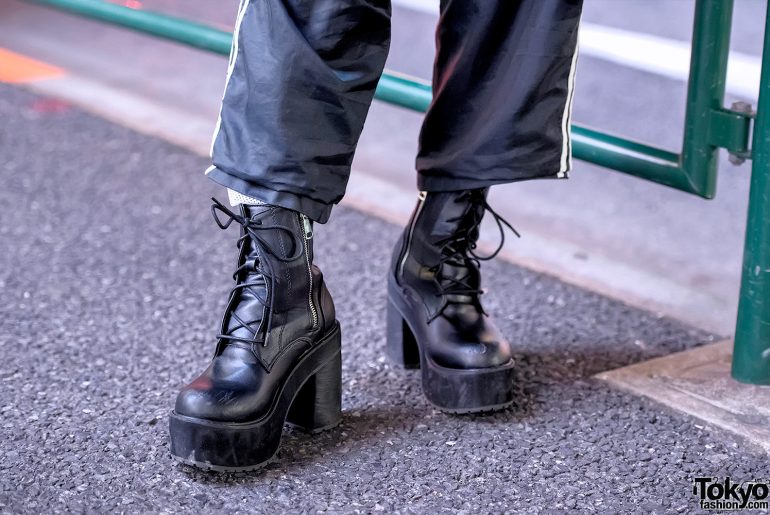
(301,78)
(300,81)
(502,81)
(303,74)
(500,113)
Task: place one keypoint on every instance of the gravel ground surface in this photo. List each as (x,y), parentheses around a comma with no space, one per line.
(113,280)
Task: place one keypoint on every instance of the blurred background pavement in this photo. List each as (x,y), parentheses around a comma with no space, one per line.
(639,242)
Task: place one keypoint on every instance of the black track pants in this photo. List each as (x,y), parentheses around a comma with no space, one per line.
(302,75)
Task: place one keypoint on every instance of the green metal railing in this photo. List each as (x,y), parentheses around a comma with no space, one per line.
(709,126)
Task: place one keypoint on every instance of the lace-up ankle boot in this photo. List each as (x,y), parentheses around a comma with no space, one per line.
(435,318)
(277,357)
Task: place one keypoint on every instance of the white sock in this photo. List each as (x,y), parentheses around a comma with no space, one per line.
(239,198)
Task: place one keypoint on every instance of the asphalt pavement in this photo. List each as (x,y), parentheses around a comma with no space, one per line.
(113,280)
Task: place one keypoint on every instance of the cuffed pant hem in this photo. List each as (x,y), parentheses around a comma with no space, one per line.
(313,209)
(437,184)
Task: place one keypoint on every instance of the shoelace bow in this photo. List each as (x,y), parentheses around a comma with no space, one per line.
(264,270)
(458,250)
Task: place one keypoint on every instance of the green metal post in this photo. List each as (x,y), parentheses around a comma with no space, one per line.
(705,91)
(751,354)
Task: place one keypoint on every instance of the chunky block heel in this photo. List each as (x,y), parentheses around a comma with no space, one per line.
(401,345)
(454,390)
(310,398)
(318,404)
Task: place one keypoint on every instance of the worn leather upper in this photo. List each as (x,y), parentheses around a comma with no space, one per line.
(258,346)
(460,334)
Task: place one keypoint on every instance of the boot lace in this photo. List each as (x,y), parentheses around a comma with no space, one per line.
(263,269)
(458,250)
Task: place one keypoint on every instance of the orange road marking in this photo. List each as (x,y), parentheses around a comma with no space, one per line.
(17,69)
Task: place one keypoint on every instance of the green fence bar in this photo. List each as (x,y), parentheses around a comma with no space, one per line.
(705,91)
(629,157)
(751,354)
(404,91)
(163,26)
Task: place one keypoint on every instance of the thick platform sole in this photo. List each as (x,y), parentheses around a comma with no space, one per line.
(310,399)
(451,390)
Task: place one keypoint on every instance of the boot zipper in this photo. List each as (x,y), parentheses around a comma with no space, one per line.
(420,203)
(308,228)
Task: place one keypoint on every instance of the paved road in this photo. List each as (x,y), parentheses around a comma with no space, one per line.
(114,277)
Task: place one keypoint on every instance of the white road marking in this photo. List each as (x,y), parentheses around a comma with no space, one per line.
(665,56)
(653,54)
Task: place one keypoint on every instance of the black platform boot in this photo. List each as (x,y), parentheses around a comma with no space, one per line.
(278,355)
(435,318)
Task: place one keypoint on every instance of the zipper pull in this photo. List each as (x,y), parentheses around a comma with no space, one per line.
(308,225)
